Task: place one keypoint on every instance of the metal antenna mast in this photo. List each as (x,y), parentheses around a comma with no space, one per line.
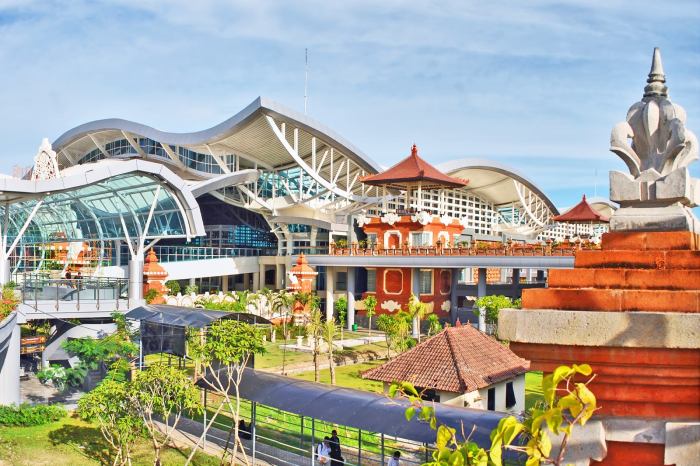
(306,78)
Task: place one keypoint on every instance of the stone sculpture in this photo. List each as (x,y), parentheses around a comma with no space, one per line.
(654,143)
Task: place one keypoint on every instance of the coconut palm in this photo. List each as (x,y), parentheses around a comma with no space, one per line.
(329,332)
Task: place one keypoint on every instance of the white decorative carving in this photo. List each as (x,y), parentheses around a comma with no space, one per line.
(446,306)
(422,217)
(659,191)
(446,220)
(362,219)
(390,218)
(45,162)
(390,305)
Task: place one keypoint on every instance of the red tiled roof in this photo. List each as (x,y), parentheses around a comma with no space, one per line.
(581,213)
(458,360)
(413,169)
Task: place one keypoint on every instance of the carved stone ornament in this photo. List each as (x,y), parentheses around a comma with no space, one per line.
(45,162)
(390,218)
(390,306)
(446,220)
(422,217)
(446,306)
(654,143)
(362,220)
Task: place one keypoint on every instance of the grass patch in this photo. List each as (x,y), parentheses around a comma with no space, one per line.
(349,377)
(274,355)
(73,442)
(533,389)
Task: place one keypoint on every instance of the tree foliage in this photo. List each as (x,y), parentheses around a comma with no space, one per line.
(113,409)
(224,352)
(112,353)
(493,305)
(567,403)
(397,331)
(165,392)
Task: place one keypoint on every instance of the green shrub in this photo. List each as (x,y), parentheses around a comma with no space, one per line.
(151,295)
(30,415)
(173,286)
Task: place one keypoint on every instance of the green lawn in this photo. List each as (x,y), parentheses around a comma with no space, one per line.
(72,442)
(274,355)
(349,376)
(533,389)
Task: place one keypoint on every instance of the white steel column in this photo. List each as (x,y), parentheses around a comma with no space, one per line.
(261,273)
(350,279)
(256,281)
(330,286)
(279,276)
(224,283)
(136,277)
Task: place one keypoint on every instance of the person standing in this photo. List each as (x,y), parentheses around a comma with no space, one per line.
(336,453)
(395,459)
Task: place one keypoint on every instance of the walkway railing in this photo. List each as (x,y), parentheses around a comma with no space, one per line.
(193,253)
(513,249)
(35,288)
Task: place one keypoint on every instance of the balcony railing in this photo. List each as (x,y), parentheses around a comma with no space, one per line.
(565,248)
(193,253)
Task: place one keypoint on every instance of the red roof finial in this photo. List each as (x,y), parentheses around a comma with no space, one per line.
(584,197)
(414,150)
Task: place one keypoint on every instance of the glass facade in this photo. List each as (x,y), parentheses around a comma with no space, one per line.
(426,281)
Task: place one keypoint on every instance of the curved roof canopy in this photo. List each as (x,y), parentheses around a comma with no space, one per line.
(247,133)
(114,200)
(493,181)
(303,165)
(523,207)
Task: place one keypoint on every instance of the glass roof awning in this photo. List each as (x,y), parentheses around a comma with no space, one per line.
(113,201)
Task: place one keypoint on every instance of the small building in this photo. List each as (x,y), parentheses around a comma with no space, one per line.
(460,366)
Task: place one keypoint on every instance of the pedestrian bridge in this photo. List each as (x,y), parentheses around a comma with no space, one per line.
(46,298)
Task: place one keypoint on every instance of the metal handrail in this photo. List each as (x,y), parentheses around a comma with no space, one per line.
(182,253)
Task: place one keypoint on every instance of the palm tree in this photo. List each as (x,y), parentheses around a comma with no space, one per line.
(370,306)
(315,329)
(330,330)
(417,310)
(269,295)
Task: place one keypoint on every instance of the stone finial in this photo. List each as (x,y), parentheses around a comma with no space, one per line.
(656,82)
(656,146)
(45,162)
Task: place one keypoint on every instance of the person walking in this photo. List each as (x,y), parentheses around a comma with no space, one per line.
(336,453)
(395,459)
(323,450)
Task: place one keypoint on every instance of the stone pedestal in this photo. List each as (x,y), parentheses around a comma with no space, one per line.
(632,311)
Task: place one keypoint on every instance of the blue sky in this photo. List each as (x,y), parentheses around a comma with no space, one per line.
(537,85)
